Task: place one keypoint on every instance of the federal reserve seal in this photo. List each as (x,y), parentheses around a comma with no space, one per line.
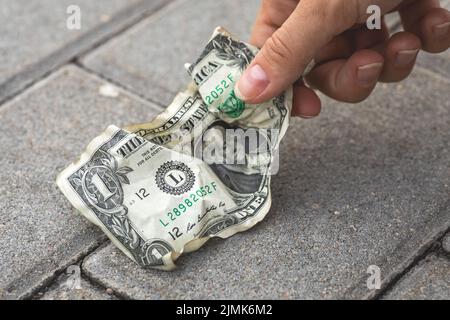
(174,177)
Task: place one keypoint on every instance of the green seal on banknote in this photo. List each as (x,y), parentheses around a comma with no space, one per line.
(233,106)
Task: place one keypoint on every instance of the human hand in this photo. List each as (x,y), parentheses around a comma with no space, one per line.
(350,59)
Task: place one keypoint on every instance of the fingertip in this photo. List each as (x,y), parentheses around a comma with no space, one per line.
(400,56)
(435,30)
(362,71)
(365,57)
(306,103)
(350,80)
(252,83)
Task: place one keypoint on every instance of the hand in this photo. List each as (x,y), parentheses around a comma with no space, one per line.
(350,58)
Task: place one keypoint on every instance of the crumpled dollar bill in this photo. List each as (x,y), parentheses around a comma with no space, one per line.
(163,188)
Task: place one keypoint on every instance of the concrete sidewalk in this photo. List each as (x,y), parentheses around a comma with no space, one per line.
(363,186)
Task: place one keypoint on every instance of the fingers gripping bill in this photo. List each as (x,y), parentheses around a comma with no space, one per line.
(151,188)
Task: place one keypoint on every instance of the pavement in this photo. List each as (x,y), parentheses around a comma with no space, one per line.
(363,190)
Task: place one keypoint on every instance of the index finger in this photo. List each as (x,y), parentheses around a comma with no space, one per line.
(271,15)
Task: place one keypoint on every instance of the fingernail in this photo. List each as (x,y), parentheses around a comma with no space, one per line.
(406,57)
(368,74)
(252,83)
(441,30)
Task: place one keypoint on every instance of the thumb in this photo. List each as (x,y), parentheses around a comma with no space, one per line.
(285,55)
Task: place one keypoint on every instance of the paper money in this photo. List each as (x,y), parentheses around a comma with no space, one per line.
(163,188)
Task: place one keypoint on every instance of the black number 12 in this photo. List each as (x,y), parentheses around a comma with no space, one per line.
(142,193)
(176,233)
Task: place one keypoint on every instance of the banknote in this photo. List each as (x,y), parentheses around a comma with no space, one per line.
(200,169)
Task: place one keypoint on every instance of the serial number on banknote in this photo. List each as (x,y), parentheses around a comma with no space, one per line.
(219,90)
(189,202)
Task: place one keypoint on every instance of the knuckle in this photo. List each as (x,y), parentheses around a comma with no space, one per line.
(317,8)
(340,13)
(277,49)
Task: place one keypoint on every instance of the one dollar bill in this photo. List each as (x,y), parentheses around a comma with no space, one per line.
(151,188)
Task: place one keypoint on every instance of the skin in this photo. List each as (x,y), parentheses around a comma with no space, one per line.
(350,59)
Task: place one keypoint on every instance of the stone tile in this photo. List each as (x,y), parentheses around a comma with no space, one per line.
(149,59)
(429,280)
(86,292)
(35,38)
(446,243)
(362,185)
(41,132)
(66,289)
(439,63)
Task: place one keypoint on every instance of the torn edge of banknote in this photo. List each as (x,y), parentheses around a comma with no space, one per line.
(152,194)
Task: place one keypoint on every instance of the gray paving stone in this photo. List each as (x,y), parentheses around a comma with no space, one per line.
(35,39)
(446,243)
(65,289)
(439,63)
(149,58)
(41,132)
(362,185)
(429,280)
